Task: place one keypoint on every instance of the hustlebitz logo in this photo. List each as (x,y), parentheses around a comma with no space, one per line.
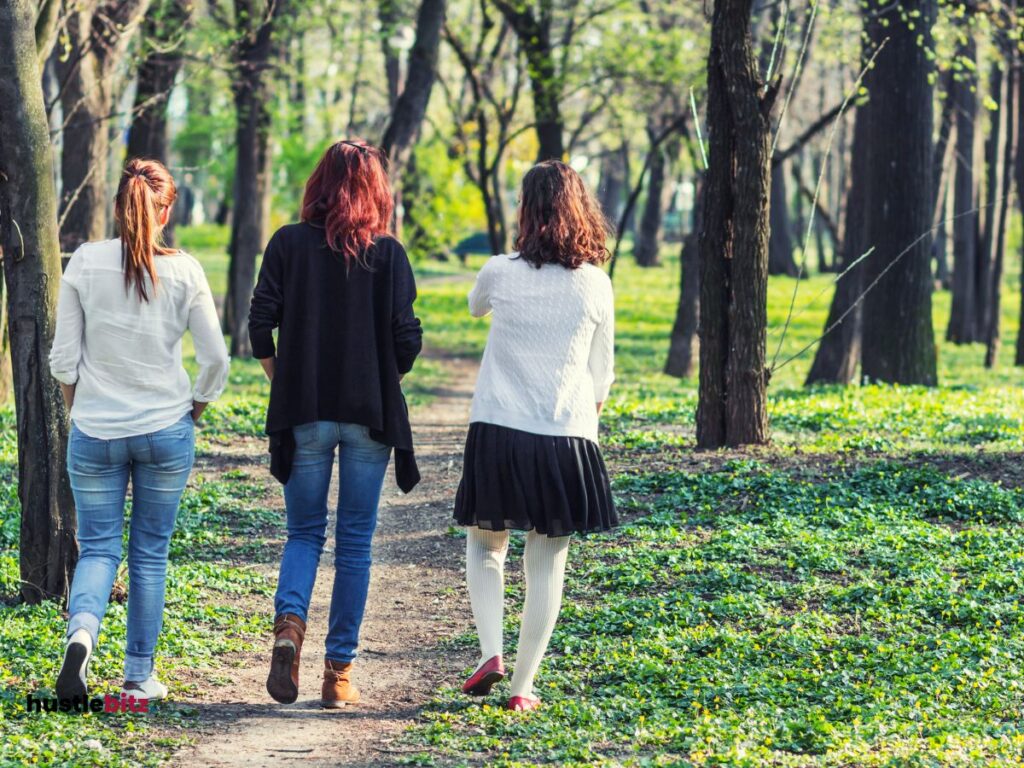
(108,704)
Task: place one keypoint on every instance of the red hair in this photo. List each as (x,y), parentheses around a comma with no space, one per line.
(560,222)
(350,195)
(146,189)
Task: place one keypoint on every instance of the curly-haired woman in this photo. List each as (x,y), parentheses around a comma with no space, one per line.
(532,462)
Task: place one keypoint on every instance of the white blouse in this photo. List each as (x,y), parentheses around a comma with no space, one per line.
(124,354)
(550,352)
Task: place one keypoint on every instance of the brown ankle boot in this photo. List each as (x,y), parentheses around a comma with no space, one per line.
(338,690)
(283,681)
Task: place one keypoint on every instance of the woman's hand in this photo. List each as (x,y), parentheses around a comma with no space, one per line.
(68,391)
(197,410)
(269,364)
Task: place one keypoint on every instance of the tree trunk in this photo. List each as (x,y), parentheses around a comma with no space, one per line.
(6,374)
(534,36)
(612,185)
(780,242)
(899,343)
(993,159)
(963,95)
(940,250)
(732,404)
(1019,177)
(684,343)
(163,32)
(1008,142)
(389,15)
(648,236)
(838,354)
(411,107)
(28,238)
(89,75)
(252,91)
(147,136)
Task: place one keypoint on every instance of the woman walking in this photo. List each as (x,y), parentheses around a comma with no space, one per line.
(532,462)
(124,306)
(339,290)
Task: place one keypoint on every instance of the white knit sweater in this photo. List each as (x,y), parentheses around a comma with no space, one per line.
(550,352)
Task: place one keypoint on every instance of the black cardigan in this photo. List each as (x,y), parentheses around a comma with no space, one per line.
(345,335)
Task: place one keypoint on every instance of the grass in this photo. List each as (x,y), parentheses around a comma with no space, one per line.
(847,596)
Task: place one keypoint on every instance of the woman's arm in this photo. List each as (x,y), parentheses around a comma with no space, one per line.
(269,365)
(267,304)
(601,362)
(66,352)
(406,329)
(211,353)
(68,392)
(480,296)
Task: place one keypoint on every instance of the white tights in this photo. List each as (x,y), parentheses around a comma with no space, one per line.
(544,565)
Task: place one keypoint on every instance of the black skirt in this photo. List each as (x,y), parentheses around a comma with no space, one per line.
(519,480)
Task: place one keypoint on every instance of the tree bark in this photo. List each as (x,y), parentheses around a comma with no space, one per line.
(252,90)
(389,16)
(732,402)
(1019,177)
(6,374)
(899,342)
(995,145)
(684,343)
(534,34)
(411,107)
(1008,142)
(98,38)
(648,236)
(963,95)
(838,354)
(780,242)
(163,31)
(147,136)
(612,185)
(28,238)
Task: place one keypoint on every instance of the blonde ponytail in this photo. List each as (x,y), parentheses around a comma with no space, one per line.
(145,190)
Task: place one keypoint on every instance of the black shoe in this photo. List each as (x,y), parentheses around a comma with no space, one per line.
(71,680)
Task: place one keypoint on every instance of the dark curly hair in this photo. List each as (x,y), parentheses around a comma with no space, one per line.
(560,222)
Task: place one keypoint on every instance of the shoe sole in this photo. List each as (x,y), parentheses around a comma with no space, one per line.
(483,686)
(280,685)
(336,704)
(69,681)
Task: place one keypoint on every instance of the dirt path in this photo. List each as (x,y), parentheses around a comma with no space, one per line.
(416,599)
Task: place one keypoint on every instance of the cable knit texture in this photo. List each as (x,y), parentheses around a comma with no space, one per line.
(550,353)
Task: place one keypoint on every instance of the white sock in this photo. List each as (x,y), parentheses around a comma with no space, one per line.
(544,562)
(81,635)
(485,577)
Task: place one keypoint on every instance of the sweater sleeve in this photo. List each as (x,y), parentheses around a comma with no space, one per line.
(267,302)
(66,352)
(602,349)
(211,353)
(405,326)
(480,296)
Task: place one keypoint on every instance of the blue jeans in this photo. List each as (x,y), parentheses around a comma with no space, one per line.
(362,463)
(158,464)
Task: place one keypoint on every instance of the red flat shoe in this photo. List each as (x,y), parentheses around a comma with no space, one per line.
(481,681)
(523,703)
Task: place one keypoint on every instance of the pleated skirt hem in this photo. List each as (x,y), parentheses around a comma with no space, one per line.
(516,480)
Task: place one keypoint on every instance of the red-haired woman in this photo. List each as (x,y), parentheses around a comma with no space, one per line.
(532,462)
(123,309)
(339,290)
